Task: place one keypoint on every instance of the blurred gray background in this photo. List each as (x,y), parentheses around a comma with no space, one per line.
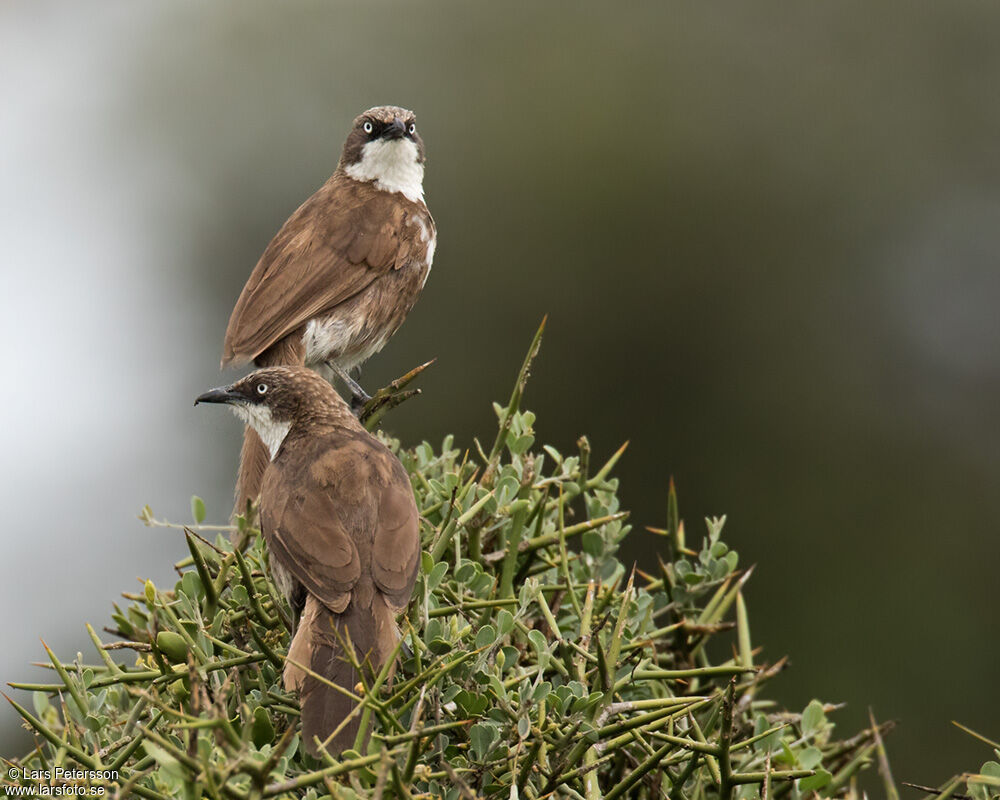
(766,235)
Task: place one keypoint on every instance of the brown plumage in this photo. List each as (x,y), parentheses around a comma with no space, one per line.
(341,525)
(339,278)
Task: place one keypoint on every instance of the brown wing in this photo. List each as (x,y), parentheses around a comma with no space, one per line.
(300,519)
(396,548)
(337,242)
(325,491)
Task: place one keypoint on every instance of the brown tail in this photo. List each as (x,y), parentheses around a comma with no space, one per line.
(254,456)
(319,644)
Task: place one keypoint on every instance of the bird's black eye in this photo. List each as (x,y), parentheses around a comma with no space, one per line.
(261,388)
(368,127)
(411,128)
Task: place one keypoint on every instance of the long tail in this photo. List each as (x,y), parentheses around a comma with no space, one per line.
(254,456)
(319,644)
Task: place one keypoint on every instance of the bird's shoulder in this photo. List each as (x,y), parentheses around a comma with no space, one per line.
(349,218)
(340,456)
(345,465)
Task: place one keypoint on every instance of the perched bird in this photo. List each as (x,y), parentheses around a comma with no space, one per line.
(343,272)
(341,526)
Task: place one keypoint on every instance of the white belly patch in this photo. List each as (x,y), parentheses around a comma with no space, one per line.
(338,340)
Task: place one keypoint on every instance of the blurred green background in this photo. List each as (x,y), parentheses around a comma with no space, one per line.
(766,235)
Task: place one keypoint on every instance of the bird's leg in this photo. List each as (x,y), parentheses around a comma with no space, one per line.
(358,395)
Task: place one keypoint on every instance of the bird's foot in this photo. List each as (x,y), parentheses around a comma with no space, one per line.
(358,402)
(359,397)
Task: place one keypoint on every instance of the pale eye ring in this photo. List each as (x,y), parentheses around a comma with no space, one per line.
(368,127)
(261,388)
(412,129)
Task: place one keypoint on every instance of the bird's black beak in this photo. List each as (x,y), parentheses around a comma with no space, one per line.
(224,394)
(397,130)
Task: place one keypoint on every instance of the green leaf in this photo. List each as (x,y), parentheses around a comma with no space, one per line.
(813,718)
(179,690)
(471,704)
(482,737)
(172,645)
(520,444)
(124,626)
(505,622)
(41,702)
(481,585)
(192,585)
(262,731)
(815,782)
(437,574)
(809,757)
(593,543)
(507,490)
(466,572)
(486,636)
(240,597)
(719,549)
(510,656)
(197,509)
(786,755)
(167,763)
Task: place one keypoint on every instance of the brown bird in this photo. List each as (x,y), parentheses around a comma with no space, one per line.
(341,525)
(343,272)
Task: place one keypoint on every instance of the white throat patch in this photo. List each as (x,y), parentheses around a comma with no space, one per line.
(393,165)
(259,418)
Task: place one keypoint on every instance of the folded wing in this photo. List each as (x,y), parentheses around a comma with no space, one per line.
(340,240)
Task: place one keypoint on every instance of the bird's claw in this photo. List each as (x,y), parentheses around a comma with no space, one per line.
(359,402)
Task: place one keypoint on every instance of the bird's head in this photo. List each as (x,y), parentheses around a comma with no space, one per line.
(384,147)
(274,399)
